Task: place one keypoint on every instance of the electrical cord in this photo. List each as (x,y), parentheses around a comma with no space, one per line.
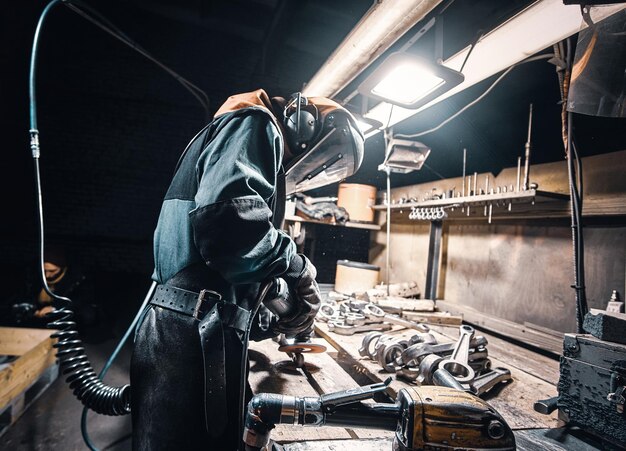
(101,22)
(74,363)
(478,99)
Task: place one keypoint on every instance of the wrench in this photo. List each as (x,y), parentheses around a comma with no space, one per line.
(345,329)
(373,311)
(484,383)
(457,364)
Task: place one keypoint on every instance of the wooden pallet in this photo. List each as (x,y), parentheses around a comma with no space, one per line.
(24,379)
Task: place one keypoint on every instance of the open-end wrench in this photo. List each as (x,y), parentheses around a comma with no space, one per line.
(373,311)
(345,329)
(485,382)
(458,363)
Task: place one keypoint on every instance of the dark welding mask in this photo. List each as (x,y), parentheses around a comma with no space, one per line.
(330,142)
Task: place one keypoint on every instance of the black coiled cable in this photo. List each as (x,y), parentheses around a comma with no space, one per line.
(75,365)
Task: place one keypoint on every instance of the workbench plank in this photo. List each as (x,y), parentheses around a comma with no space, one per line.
(333,378)
(269,374)
(514,401)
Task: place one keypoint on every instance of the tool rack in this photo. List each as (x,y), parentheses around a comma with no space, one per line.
(461,207)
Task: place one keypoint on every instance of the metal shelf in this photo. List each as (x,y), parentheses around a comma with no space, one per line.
(353,225)
(529,197)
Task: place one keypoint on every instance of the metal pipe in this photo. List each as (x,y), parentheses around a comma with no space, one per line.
(463,182)
(381,26)
(519,173)
(388,256)
(527,150)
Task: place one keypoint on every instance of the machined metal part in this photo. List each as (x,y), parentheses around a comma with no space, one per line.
(345,329)
(388,352)
(327,312)
(374,312)
(369,341)
(458,363)
(409,373)
(485,382)
(413,354)
(546,406)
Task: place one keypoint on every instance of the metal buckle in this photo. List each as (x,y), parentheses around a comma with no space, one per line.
(205,295)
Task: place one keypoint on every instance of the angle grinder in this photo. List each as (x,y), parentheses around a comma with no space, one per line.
(280,303)
(423,418)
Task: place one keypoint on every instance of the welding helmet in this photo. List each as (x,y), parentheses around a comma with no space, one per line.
(324,143)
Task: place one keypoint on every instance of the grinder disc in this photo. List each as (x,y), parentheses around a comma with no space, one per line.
(300,348)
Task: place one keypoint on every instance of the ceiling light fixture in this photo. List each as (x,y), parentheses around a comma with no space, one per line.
(409,81)
(537,27)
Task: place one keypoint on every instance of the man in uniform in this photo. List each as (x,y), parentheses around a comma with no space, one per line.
(218,240)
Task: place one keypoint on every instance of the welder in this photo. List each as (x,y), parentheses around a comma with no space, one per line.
(218,238)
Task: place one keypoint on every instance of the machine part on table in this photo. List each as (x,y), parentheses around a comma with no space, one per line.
(527,148)
(546,406)
(345,329)
(413,354)
(458,363)
(431,374)
(485,382)
(388,352)
(422,417)
(327,312)
(408,373)
(373,311)
(369,340)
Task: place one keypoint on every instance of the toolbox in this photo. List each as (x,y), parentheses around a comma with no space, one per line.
(591,386)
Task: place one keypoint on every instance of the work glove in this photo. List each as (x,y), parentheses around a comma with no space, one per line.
(264,325)
(305,294)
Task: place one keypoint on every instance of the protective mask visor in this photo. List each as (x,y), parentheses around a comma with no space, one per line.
(337,155)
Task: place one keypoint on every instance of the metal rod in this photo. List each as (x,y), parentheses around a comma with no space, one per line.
(475,193)
(469,189)
(434,254)
(519,173)
(463,182)
(527,150)
(486,192)
(388,259)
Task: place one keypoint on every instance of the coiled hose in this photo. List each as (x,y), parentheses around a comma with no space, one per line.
(75,365)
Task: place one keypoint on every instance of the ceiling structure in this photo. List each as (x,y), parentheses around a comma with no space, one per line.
(113,124)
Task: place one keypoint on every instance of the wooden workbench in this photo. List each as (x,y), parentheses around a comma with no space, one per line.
(534,377)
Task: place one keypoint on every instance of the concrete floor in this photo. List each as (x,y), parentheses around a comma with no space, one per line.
(52,422)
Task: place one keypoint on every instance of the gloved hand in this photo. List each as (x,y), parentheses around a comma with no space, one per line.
(305,295)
